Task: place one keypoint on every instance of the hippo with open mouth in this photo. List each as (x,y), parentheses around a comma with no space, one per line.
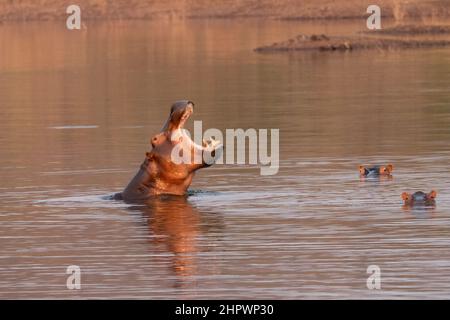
(419,198)
(162,172)
(376,171)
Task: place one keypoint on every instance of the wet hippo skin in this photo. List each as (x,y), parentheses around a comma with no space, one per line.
(376,171)
(419,198)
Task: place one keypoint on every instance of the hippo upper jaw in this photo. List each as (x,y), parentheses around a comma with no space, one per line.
(184,117)
(179,114)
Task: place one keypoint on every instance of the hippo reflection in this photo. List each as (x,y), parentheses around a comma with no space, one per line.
(175,227)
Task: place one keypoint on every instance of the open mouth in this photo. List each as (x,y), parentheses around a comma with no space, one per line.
(185,117)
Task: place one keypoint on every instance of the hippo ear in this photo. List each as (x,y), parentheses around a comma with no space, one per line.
(362,170)
(432,194)
(406,196)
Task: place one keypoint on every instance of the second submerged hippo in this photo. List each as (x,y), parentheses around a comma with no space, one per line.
(376,171)
(419,198)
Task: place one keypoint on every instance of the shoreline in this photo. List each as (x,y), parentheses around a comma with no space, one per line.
(307,10)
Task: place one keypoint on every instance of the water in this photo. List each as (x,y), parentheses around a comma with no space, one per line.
(78,110)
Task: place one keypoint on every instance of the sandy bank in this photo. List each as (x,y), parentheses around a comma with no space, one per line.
(326,43)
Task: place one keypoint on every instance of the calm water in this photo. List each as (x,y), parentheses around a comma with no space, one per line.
(77,110)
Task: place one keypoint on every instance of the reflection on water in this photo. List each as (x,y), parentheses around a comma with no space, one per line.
(420,210)
(76,114)
(176,226)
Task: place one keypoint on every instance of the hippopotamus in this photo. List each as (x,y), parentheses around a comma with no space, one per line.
(419,198)
(162,172)
(376,171)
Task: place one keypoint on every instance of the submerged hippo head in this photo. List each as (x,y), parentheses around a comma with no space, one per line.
(170,166)
(376,171)
(419,198)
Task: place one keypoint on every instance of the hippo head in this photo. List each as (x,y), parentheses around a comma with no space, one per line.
(171,164)
(376,171)
(174,156)
(419,198)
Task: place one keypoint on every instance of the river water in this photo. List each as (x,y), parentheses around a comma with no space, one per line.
(77,110)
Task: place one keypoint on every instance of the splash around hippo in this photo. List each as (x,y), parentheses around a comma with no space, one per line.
(159,174)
